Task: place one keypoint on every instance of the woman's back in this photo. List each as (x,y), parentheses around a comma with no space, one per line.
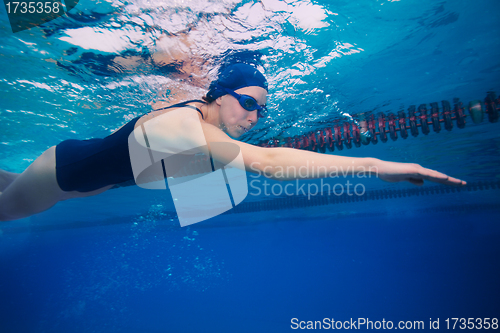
(88,165)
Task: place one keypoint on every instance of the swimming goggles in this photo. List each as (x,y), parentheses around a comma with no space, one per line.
(247,102)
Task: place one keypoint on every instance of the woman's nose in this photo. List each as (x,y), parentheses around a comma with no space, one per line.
(253,116)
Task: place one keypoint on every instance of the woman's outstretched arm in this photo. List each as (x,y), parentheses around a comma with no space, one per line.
(289,163)
(316,165)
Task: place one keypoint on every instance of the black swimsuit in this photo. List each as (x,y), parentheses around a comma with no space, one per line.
(88,165)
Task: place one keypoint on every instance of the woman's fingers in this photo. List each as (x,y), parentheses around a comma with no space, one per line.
(438,177)
(415,174)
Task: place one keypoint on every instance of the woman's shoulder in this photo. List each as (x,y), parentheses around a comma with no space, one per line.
(175,130)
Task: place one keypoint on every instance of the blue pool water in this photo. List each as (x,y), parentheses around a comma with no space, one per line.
(119,262)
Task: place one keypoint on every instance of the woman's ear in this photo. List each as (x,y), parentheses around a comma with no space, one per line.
(219,100)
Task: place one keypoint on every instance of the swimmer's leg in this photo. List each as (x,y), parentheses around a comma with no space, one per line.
(6,178)
(33,191)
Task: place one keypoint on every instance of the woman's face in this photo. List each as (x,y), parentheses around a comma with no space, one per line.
(234,119)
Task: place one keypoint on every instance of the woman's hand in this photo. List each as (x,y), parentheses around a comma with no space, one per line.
(413,173)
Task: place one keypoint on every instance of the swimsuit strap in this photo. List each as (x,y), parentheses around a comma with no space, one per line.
(184,104)
(194,108)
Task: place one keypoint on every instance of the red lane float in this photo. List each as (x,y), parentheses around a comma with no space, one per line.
(377,127)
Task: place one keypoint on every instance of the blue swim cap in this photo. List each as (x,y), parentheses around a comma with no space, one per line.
(235,77)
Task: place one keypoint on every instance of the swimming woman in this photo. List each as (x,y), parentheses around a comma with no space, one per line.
(232,107)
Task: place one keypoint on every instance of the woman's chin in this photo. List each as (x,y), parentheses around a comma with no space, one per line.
(235,132)
(234,135)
